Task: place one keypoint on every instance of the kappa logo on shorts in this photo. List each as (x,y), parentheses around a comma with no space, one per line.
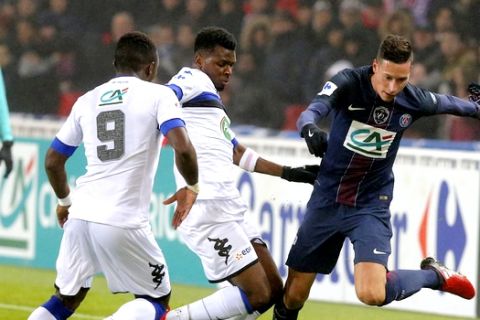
(158,273)
(222,248)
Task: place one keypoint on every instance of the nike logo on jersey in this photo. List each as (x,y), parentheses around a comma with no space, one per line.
(352,108)
(310,133)
(376,251)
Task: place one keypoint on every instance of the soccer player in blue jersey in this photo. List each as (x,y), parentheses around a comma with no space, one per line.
(372,106)
(5,131)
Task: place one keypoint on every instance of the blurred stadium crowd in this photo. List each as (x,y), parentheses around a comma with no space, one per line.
(51,51)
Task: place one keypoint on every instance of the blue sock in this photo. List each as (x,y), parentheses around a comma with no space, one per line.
(403,283)
(57,309)
(159,308)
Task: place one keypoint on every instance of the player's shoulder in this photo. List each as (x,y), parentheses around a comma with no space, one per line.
(418,94)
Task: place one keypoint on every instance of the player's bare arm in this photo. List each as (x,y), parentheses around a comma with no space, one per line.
(186,161)
(55,168)
(249,160)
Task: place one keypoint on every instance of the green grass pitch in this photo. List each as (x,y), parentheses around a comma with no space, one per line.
(23,289)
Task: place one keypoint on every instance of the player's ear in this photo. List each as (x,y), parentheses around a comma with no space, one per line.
(198,59)
(151,68)
(375,65)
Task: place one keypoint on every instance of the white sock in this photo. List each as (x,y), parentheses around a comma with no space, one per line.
(251,316)
(138,309)
(223,304)
(41,314)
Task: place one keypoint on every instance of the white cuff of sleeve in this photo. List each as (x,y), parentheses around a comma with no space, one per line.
(195,188)
(65,202)
(248,160)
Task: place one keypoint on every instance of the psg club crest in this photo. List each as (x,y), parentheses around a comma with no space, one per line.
(405,120)
(380,115)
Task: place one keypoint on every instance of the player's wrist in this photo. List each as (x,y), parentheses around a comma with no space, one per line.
(308,130)
(195,188)
(65,202)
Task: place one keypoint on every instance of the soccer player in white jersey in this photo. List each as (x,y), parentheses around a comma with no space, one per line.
(105,220)
(216,229)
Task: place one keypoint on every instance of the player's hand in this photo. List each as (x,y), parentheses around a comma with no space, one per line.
(62,214)
(316,139)
(6,156)
(306,174)
(474,92)
(185,199)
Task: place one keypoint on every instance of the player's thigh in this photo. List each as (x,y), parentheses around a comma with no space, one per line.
(131,260)
(76,263)
(370,235)
(220,241)
(318,241)
(270,268)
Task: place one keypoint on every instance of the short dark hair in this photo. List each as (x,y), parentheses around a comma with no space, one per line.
(134,50)
(396,49)
(210,37)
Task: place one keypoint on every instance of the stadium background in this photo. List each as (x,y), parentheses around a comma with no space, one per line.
(52,51)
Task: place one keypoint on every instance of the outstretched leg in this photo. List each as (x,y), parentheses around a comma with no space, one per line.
(59,307)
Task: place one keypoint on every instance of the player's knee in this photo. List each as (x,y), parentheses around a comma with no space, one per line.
(295,299)
(72,302)
(260,298)
(371,297)
(276,287)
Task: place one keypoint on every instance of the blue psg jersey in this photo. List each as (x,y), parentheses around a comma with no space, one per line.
(365,135)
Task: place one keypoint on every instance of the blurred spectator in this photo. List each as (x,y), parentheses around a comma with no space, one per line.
(256,38)
(280,74)
(229,16)
(99,50)
(426,48)
(163,36)
(353,49)
(197,13)
(399,22)
(249,95)
(58,15)
(256,8)
(322,22)
(165,12)
(319,62)
(185,42)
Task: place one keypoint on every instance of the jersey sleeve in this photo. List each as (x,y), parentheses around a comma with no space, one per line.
(71,133)
(186,84)
(446,104)
(328,98)
(169,113)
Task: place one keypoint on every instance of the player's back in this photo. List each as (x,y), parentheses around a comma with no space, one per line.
(119,122)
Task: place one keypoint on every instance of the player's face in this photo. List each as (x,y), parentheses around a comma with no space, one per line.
(390,78)
(218,65)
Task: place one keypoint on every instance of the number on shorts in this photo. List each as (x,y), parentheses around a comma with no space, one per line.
(111,127)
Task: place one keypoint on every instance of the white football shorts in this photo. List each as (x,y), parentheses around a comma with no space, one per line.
(130,259)
(217,231)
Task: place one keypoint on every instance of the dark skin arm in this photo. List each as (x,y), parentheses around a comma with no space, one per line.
(57,176)
(186,162)
(262,166)
(305,174)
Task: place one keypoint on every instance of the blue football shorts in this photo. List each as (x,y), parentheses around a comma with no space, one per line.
(321,235)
